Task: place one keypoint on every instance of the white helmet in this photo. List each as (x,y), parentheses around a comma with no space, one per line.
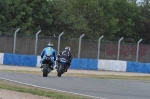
(67,48)
(50,44)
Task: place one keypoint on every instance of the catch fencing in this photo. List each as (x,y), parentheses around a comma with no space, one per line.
(88,49)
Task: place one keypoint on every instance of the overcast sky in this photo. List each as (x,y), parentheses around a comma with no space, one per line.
(138,0)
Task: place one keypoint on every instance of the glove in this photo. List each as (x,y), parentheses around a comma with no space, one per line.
(54,59)
(70,59)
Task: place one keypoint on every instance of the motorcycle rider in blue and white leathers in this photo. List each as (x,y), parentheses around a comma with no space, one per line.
(49,50)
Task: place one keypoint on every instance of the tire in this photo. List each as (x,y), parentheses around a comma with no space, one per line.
(45,70)
(60,71)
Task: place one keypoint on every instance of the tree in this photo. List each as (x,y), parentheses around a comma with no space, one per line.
(145,12)
(19,15)
(4,8)
(111,21)
(129,19)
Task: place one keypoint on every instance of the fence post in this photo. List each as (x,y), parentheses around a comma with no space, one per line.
(119,48)
(80,45)
(59,42)
(99,45)
(15,35)
(36,41)
(137,52)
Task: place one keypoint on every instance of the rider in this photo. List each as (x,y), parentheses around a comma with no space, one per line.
(65,54)
(51,51)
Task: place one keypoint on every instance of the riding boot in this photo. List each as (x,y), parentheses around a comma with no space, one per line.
(67,68)
(41,67)
(51,68)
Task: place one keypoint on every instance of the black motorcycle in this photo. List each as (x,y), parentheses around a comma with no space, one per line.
(62,66)
(47,66)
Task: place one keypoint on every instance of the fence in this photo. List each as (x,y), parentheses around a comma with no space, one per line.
(88,48)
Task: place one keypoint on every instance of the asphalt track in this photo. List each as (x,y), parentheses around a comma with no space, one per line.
(96,88)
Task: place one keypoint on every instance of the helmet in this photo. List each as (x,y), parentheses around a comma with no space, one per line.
(67,48)
(50,44)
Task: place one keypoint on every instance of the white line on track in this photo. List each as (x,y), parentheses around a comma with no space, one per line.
(52,89)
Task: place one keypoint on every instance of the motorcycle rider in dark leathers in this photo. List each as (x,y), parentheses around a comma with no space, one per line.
(65,54)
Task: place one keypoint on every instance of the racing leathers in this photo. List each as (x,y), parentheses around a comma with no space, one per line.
(67,55)
(50,51)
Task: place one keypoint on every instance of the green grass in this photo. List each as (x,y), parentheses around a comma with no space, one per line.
(37,91)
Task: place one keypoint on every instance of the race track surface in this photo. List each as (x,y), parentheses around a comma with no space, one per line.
(102,88)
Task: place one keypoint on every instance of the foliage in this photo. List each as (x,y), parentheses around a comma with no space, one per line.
(145,12)
(112,18)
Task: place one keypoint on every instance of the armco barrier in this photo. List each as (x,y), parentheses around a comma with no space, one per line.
(38,64)
(112,65)
(82,63)
(86,64)
(1,58)
(138,67)
(20,60)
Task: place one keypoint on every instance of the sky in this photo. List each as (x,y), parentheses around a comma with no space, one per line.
(138,0)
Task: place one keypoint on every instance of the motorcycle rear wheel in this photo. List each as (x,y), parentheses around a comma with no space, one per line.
(45,70)
(60,71)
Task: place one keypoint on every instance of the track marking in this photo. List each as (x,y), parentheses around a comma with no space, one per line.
(52,89)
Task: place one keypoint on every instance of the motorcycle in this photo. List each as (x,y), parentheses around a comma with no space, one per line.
(47,66)
(62,66)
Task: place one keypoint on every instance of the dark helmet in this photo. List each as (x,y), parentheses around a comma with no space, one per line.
(50,44)
(67,48)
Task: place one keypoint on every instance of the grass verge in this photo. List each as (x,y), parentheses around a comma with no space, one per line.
(37,91)
(59,95)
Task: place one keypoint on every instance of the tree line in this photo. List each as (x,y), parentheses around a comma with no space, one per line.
(112,18)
